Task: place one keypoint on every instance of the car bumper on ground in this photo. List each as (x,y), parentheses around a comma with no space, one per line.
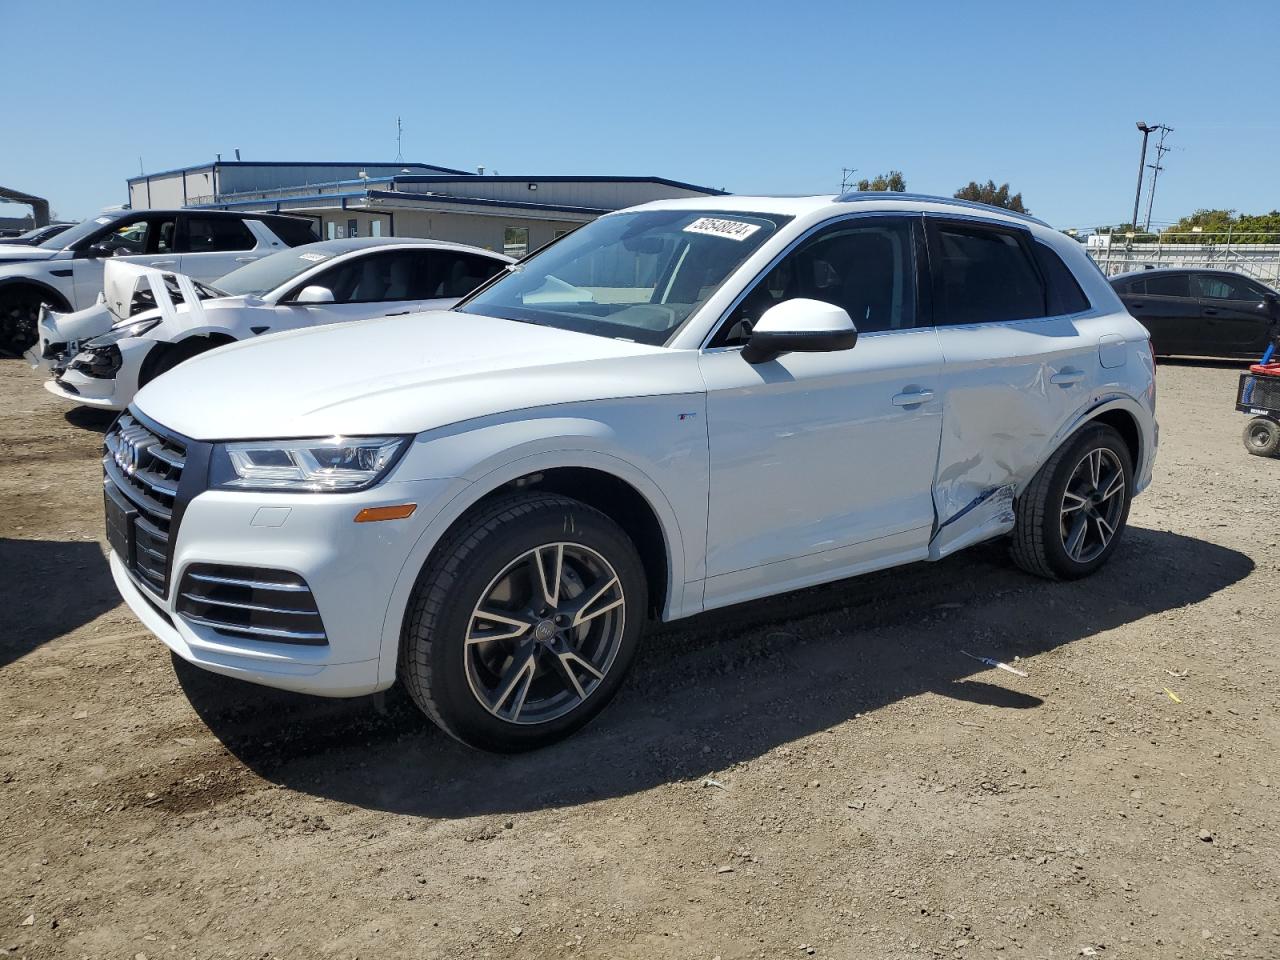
(350,569)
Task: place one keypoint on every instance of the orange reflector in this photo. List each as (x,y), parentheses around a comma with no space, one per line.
(398,512)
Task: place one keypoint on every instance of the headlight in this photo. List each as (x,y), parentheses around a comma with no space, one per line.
(135,329)
(333,465)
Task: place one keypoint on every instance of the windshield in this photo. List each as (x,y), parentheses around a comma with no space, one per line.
(259,278)
(72,235)
(634,276)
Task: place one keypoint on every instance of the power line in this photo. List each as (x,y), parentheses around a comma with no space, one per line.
(1156,167)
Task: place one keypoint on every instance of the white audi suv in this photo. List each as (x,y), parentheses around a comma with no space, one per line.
(680,406)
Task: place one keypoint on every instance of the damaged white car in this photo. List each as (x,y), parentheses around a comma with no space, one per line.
(163,318)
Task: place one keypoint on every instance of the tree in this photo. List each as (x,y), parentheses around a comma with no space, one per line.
(891,181)
(992,195)
(1217,225)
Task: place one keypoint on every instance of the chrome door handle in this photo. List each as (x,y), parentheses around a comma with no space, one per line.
(913,398)
(246,259)
(163,263)
(1067,377)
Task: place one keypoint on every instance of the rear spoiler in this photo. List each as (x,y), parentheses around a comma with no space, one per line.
(122,282)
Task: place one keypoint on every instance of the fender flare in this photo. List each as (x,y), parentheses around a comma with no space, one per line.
(473,492)
(57,300)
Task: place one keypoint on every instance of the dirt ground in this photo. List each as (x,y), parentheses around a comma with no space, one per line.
(824,774)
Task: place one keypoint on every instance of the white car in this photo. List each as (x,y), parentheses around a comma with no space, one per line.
(326,282)
(64,273)
(680,406)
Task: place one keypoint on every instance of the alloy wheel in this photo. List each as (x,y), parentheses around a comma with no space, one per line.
(544,633)
(1092,505)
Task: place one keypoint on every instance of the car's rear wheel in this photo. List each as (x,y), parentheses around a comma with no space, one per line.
(1073,513)
(1262,437)
(524,622)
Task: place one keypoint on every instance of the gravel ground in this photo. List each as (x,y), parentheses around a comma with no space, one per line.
(824,774)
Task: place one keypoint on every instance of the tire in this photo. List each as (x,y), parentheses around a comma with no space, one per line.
(1063,495)
(490,561)
(19,311)
(164,357)
(1262,437)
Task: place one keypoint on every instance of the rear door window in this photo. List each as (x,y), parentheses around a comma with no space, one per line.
(217,234)
(1168,285)
(983,274)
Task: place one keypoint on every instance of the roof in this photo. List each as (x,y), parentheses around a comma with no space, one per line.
(1158,271)
(336,248)
(799,206)
(302,163)
(558,178)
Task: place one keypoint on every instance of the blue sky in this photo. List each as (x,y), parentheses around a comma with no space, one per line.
(750,96)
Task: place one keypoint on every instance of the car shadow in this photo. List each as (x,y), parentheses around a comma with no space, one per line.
(75,587)
(90,418)
(727,686)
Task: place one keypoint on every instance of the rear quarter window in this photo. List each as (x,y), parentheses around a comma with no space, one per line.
(293,230)
(1062,290)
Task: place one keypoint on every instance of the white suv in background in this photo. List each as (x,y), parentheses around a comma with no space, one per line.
(678,407)
(64,273)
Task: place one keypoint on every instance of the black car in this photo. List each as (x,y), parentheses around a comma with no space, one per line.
(1202,313)
(39,235)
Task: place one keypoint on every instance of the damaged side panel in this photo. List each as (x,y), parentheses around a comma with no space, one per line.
(1010,388)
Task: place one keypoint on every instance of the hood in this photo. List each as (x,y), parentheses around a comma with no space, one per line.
(17,253)
(402,374)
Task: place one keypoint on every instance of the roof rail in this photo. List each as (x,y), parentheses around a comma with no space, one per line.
(854,196)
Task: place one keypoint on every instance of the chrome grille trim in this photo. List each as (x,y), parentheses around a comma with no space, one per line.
(297,636)
(250,584)
(144,464)
(256,602)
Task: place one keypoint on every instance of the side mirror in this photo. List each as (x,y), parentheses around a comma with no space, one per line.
(800,326)
(99,250)
(314,294)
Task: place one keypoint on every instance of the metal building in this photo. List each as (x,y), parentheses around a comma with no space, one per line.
(514,214)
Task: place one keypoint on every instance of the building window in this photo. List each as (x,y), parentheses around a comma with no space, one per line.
(515,241)
(556,235)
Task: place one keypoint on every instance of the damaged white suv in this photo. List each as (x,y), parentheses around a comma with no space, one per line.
(680,406)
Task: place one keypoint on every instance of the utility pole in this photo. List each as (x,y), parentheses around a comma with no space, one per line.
(846,178)
(1142,168)
(399,135)
(1156,167)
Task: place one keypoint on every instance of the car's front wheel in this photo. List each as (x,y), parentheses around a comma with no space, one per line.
(524,622)
(1072,514)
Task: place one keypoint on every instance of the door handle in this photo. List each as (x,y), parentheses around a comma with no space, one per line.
(1210,312)
(396,313)
(1067,377)
(246,259)
(912,398)
(163,263)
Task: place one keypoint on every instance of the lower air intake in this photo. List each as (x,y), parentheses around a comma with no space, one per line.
(256,603)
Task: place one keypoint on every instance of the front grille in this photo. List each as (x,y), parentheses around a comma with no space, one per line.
(255,602)
(146,467)
(1258,392)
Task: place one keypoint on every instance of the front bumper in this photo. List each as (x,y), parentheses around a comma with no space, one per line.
(105,393)
(350,567)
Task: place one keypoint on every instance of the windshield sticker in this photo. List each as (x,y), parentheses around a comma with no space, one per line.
(716,227)
(314,257)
